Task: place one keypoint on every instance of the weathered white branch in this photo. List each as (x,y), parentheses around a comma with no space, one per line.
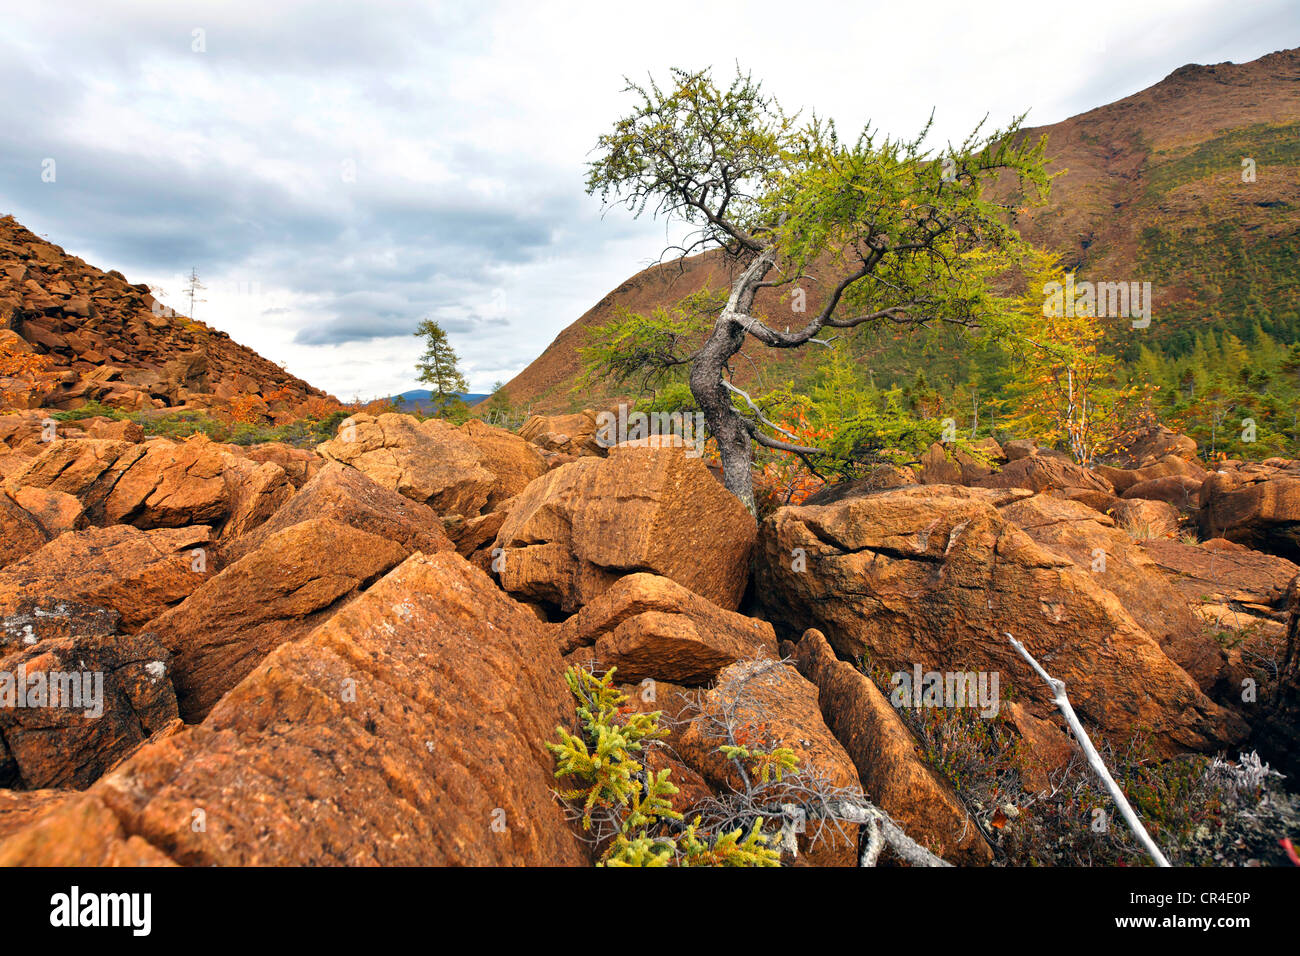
(1090,752)
(881,829)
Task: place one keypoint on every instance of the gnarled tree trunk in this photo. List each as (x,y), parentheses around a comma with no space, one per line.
(729,428)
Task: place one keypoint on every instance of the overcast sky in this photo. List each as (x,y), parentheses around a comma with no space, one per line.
(338,171)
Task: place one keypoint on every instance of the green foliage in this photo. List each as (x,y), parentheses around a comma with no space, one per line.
(438,366)
(89,410)
(1267,144)
(733,139)
(649,350)
(859,425)
(1236,399)
(601,758)
(912,232)
(304,433)
(766,765)
(604,776)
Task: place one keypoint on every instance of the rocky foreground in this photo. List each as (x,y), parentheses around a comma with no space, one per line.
(356,655)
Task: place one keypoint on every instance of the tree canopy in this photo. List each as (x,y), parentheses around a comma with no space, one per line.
(439,365)
(910,237)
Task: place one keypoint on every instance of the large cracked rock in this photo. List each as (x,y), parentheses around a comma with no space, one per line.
(513,461)
(71,465)
(20,532)
(1116,562)
(1169,466)
(1227,584)
(73,706)
(1257,505)
(139,574)
(158,483)
(566,434)
(409,729)
(430,462)
(346,495)
(274,594)
(651,627)
(766,704)
(935,575)
(1042,473)
(574,531)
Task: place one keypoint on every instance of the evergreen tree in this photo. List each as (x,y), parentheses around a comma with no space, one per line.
(439,365)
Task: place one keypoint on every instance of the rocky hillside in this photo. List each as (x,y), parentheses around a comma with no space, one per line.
(1151,188)
(357,655)
(112,342)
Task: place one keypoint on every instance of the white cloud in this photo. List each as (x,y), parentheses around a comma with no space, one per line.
(467,130)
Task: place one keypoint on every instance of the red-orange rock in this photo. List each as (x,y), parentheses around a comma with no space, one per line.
(1143,518)
(137,573)
(1256,506)
(347,496)
(78,831)
(71,466)
(651,627)
(1045,473)
(766,704)
(274,594)
(163,484)
(253,492)
(1227,584)
(513,461)
(430,462)
(1181,491)
(577,529)
(926,576)
(20,532)
(1168,466)
(888,759)
(72,707)
(56,511)
(21,808)
(1115,561)
(409,729)
(566,434)
(300,464)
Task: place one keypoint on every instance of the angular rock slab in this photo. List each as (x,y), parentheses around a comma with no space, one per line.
(139,574)
(278,593)
(927,576)
(889,761)
(771,706)
(347,496)
(122,691)
(651,627)
(409,729)
(430,462)
(574,531)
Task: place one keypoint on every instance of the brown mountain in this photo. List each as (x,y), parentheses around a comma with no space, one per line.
(113,343)
(1151,188)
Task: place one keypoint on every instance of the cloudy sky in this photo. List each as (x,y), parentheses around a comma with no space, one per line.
(337,171)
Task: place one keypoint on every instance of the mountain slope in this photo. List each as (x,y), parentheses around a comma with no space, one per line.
(1151,189)
(112,342)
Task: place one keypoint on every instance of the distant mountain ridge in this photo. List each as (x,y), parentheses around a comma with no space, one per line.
(422,398)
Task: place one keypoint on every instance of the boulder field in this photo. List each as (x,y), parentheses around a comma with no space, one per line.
(356,655)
